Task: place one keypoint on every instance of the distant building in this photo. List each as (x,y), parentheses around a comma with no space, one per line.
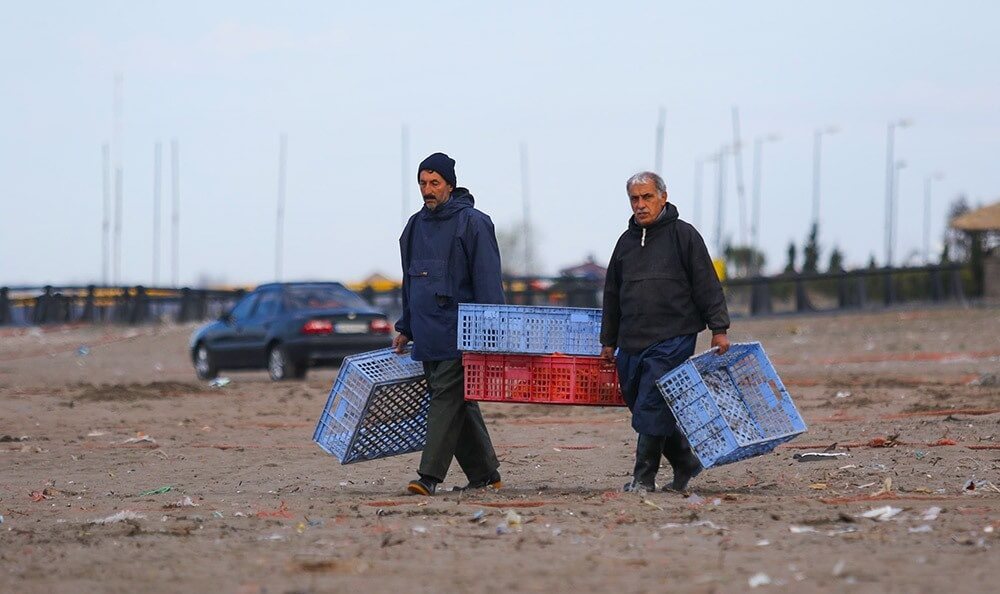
(589,270)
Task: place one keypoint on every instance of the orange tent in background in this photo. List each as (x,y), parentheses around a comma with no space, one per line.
(376,281)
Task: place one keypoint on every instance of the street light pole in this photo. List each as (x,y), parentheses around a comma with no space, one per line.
(696,207)
(817,155)
(758,144)
(927,214)
(897,167)
(890,174)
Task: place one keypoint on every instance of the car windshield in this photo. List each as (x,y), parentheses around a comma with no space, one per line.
(322,297)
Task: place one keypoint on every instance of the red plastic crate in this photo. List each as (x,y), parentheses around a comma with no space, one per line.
(541,379)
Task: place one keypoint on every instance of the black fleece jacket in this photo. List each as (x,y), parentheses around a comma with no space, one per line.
(660,284)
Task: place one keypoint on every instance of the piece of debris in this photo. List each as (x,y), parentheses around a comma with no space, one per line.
(759,579)
(83,351)
(652,505)
(122,516)
(842,394)
(513,520)
(881,514)
(838,568)
(819,456)
(479,517)
(96,434)
(921,529)
(418,529)
(818,486)
(801,529)
(10,438)
(930,514)
(986,380)
(706,523)
(139,438)
(186,502)
(159,491)
(217,514)
(219,382)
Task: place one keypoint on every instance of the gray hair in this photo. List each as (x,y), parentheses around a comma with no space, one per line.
(644,177)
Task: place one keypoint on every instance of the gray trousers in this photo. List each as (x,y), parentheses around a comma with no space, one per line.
(455,427)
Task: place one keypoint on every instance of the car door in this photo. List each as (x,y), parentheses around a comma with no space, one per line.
(257,329)
(228,344)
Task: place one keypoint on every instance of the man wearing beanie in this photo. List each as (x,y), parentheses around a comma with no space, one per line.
(661,290)
(450,256)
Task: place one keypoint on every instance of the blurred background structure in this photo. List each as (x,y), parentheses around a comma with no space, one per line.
(547,110)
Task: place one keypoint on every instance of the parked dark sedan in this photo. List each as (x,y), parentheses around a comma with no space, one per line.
(288,328)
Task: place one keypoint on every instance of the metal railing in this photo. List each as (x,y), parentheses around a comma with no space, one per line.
(865,289)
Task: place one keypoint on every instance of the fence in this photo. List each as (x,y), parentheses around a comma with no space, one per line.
(861,290)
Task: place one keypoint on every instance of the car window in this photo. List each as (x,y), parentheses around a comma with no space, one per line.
(268,305)
(322,297)
(244,307)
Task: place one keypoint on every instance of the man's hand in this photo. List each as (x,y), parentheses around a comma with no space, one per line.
(721,342)
(399,342)
(608,353)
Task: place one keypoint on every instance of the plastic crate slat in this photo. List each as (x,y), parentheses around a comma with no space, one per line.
(731,407)
(529,329)
(377,407)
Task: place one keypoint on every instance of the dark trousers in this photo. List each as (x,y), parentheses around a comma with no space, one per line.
(455,427)
(675,448)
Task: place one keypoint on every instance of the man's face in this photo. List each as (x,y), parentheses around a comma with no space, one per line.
(647,202)
(433,188)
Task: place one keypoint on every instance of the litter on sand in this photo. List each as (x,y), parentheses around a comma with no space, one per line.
(759,579)
(921,529)
(930,514)
(706,523)
(881,514)
(186,502)
(121,516)
(139,438)
(513,520)
(802,529)
(160,491)
(219,382)
(819,456)
(83,351)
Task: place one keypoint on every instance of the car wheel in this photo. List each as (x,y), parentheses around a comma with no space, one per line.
(281,367)
(204,364)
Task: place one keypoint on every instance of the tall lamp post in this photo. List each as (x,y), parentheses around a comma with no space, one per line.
(890,176)
(817,153)
(936,176)
(758,145)
(897,167)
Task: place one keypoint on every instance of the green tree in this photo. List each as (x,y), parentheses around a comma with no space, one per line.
(742,261)
(790,266)
(836,263)
(810,251)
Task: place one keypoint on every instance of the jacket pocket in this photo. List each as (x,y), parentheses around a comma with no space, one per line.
(429,282)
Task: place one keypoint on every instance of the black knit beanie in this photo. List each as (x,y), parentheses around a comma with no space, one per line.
(441,164)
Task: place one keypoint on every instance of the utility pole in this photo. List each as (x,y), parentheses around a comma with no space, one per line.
(157,150)
(406,181)
(696,207)
(897,167)
(927,214)
(890,176)
(106,220)
(758,146)
(660,131)
(175,217)
(280,219)
(817,153)
(720,198)
(526,202)
(119,174)
(738,162)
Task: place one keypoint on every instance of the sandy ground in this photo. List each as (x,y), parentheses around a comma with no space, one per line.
(912,396)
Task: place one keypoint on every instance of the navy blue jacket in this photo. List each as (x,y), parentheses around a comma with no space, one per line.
(450,256)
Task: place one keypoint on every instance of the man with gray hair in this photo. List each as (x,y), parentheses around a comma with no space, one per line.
(661,290)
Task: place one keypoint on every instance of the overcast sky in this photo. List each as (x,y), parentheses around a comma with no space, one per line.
(580,83)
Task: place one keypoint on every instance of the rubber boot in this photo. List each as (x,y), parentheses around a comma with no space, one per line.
(683,460)
(647,463)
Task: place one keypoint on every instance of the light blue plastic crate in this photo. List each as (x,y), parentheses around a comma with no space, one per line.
(377,408)
(529,329)
(733,406)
